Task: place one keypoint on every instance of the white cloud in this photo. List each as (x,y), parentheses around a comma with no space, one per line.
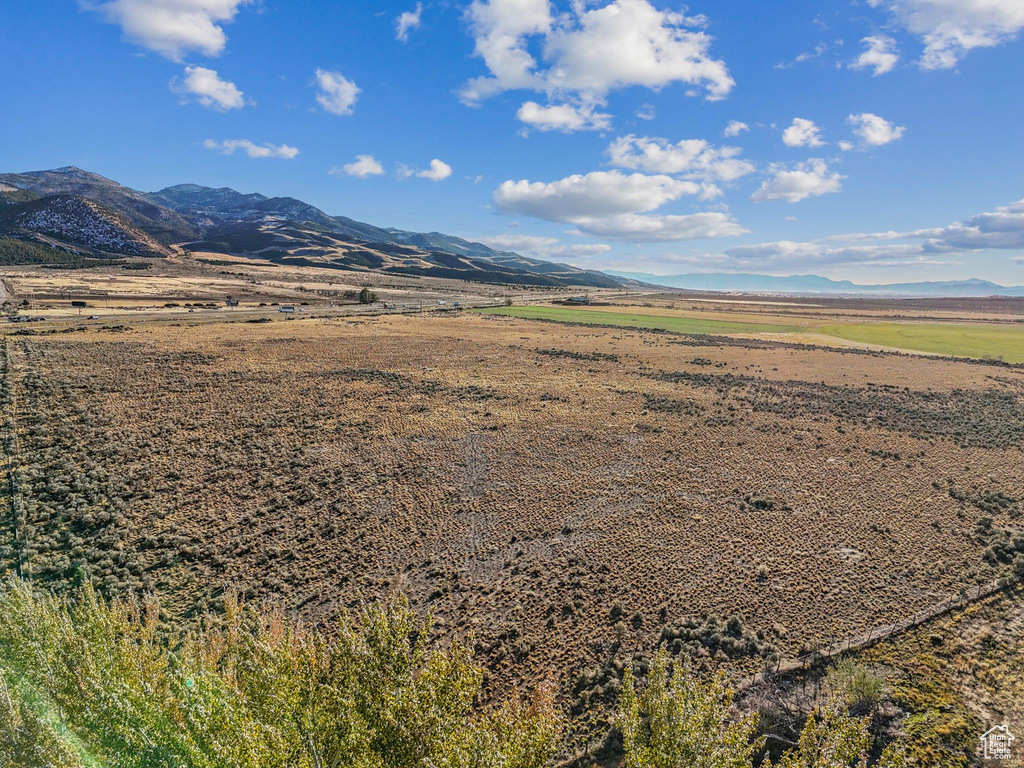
(579,251)
(600,193)
(209,89)
(336,94)
(281,151)
(438,171)
(589,52)
(881,55)
(653,228)
(695,159)
(810,179)
(522,243)
(999,229)
(646,112)
(407,21)
(846,146)
(788,253)
(544,247)
(1002,229)
(735,128)
(562,117)
(818,51)
(612,205)
(171,27)
(952,28)
(802,133)
(874,130)
(363,166)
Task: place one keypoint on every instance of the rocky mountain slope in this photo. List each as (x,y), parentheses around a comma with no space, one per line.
(280,229)
(136,208)
(74,222)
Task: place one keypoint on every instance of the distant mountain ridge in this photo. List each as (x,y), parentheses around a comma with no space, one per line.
(815,284)
(280,229)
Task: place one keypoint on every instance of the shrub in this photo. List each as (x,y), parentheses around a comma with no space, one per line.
(102,683)
(677,720)
(856,686)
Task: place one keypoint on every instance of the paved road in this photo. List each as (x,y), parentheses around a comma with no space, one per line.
(222,314)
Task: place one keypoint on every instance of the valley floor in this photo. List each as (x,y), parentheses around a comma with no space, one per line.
(567,495)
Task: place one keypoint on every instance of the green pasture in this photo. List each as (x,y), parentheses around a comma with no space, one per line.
(1005,342)
(1001,342)
(653,322)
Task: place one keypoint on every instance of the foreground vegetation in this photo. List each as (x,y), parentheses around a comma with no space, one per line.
(84,683)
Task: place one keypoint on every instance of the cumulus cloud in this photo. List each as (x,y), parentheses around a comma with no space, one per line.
(802,133)
(874,130)
(588,52)
(693,159)
(563,117)
(544,247)
(614,205)
(810,179)
(1001,229)
(209,90)
(600,193)
(438,171)
(362,167)
(578,251)
(407,21)
(335,93)
(735,128)
(787,253)
(950,29)
(522,243)
(281,151)
(654,228)
(171,27)
(880,54)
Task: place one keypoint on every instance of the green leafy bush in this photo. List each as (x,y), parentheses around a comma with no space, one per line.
(91,683)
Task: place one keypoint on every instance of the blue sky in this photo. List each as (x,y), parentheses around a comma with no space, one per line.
(881,140)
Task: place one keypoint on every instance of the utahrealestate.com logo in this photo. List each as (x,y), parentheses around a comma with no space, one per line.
(997,743)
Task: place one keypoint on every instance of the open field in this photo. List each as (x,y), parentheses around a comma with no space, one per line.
(626,319)
(566,494)
(964,339)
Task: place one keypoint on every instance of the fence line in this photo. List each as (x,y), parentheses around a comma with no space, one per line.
(851,643)
(875,635)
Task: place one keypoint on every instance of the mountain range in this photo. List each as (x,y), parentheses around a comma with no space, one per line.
(81,211)
(85,213)
(815,284)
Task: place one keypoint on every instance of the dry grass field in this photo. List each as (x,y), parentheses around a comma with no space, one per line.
(568,495)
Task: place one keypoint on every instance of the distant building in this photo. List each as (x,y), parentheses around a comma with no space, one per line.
(578,300)
(232,302)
